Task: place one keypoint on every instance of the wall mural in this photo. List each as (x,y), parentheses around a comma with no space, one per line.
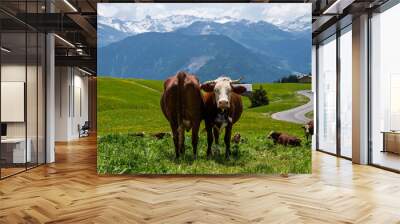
(189,88)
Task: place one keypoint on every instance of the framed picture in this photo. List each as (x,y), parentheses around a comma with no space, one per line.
(209,88)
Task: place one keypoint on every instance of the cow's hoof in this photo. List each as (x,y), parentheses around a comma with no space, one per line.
(236,154)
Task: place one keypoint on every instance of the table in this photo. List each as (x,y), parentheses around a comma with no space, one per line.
(13,150)
(391,141)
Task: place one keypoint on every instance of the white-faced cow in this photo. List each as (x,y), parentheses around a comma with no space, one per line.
(182,105)
(223,108)
(309,129)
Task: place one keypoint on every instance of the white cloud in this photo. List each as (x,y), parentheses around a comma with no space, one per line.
(108,10)
(276,13)
(286,13)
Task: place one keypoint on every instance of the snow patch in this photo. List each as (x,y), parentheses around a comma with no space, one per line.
(196,63)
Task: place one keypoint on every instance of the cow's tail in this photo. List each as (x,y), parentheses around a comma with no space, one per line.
(180,110)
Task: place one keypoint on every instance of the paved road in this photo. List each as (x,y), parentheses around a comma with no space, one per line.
(297,114)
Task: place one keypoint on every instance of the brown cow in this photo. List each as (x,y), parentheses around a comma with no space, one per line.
(182,105)
(284,139)
(309,129)
(236,138)
(223,108)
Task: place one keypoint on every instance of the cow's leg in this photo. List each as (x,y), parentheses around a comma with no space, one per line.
(216,135)
(227,139)
(209,140)
(175,135)
(181,139)
(195,138)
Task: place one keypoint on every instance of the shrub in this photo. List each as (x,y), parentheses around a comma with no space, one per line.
(259,97)
(289,79)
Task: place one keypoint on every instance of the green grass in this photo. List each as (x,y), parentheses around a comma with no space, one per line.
(126,105)
(132,105)
(310,115)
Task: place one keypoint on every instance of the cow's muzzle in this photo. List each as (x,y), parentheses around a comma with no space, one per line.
(223,104)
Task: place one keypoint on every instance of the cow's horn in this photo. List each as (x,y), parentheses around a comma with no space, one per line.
(209,82)
(237,80)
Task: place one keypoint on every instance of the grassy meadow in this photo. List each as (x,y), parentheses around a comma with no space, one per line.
(133,105)
(310,115)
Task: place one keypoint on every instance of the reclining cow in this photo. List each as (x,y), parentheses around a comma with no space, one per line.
(223,108)
(182,105)
(284,139)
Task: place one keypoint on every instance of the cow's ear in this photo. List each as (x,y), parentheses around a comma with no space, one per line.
(239,89)
(208,87)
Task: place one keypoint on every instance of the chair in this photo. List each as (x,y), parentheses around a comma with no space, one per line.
(84,130)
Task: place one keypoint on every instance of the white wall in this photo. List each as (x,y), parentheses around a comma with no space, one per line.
(33,126)
(62,82)
(12,73)
(81,89)
(70,84)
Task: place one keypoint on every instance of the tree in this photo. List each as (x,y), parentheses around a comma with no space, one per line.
(289,79)
(259,97)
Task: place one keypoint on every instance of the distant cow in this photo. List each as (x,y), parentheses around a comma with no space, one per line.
(236,138)
(160,135)
(182,105)
(284,139)
(309,129)
(223,108)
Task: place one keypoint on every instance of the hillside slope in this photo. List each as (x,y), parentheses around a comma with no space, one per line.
(129,105)
(108,35)
(159,55)
(133,105)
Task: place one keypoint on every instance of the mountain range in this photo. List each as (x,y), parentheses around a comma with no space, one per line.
(157,48)
(123,28)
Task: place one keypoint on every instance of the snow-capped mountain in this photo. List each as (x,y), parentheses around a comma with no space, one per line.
(108,35)
(149,24)
(298,25)
(112,30)
(204,46)
(171,23)
(125,28)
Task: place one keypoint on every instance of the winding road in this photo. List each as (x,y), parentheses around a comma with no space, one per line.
(297,114)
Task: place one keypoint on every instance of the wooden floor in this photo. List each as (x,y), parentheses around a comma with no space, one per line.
(70,191)
(387,159)
(5,172)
